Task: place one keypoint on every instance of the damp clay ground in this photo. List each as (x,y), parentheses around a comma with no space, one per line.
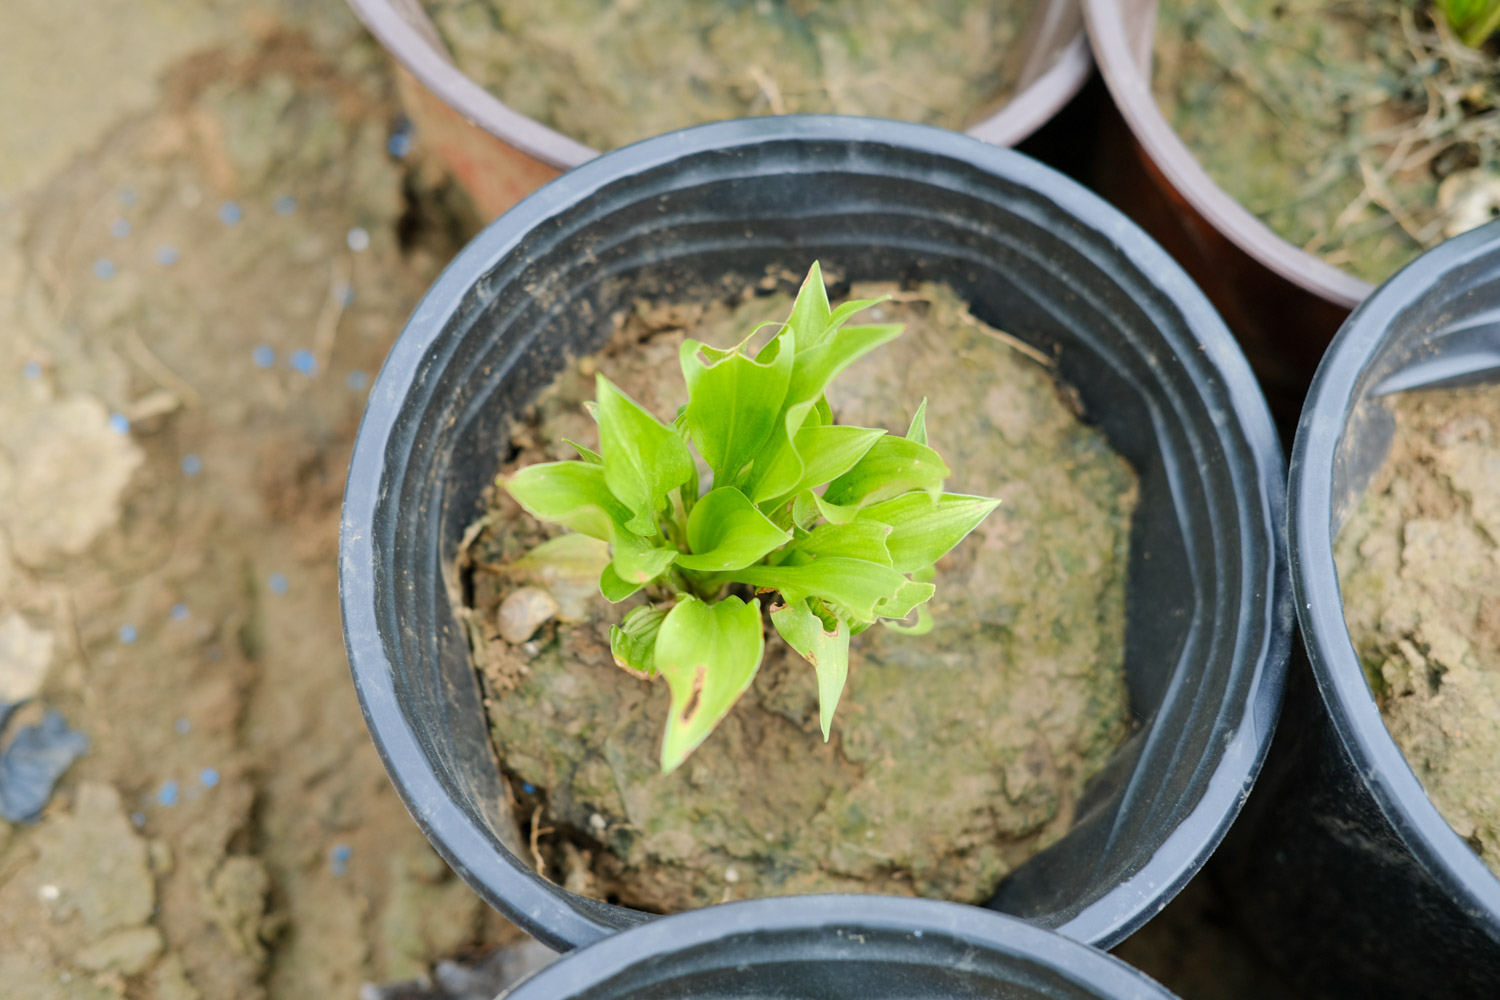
(1419,567)
(200,271)
(1360,131)
(955,756)
(610,72)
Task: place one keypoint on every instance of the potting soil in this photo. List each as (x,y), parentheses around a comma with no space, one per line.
(610,72)
(1361,131)
(1419,566)
(954,756)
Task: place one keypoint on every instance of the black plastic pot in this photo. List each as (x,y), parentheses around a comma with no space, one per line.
(838,948)
(1359,887)
(694,212)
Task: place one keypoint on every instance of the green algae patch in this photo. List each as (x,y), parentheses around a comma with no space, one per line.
(611,72)
(1419,567)
(1363,132)
(956,755)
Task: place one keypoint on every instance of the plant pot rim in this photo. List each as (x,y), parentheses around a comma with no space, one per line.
(735,926)
(1111,42)
(563,920)
(1341,679)
(415,50)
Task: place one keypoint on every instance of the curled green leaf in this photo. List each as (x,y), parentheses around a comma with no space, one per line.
(727,532)
(643,459)
(632,643)
(827,651)
(891,467)
(734,400)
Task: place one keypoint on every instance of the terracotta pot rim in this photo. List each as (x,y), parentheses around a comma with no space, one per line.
(1111,37)
(415,47)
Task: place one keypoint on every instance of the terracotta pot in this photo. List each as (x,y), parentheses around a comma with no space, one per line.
(1283,303)
(499,155)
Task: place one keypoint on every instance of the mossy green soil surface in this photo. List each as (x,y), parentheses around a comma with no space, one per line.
(1419,566)
(1360,131)
(955,756)
(610,72)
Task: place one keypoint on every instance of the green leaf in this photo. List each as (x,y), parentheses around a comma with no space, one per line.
(911,595)
(817,366)
(725,532)
(891,467)
(918,430)
(858,539)
(709,654)
(638,560)
(851,585)
(644,459)
(633,641)
(734,400)
(810,314)
(922,532)
(828,652)
(780,461)
(613,588)
(819,455)
(572,494)
(589,456)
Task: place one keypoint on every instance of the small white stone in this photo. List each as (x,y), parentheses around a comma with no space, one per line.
(597,822)
(25,655)
(731,875)
(48,892)
(523,611)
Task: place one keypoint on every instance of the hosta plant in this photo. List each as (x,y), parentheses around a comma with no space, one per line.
(842,524)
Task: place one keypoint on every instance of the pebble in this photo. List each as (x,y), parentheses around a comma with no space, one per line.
(25,658)
(522,612)
(48,892)
(358,239)
(731,874)
(597,822)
